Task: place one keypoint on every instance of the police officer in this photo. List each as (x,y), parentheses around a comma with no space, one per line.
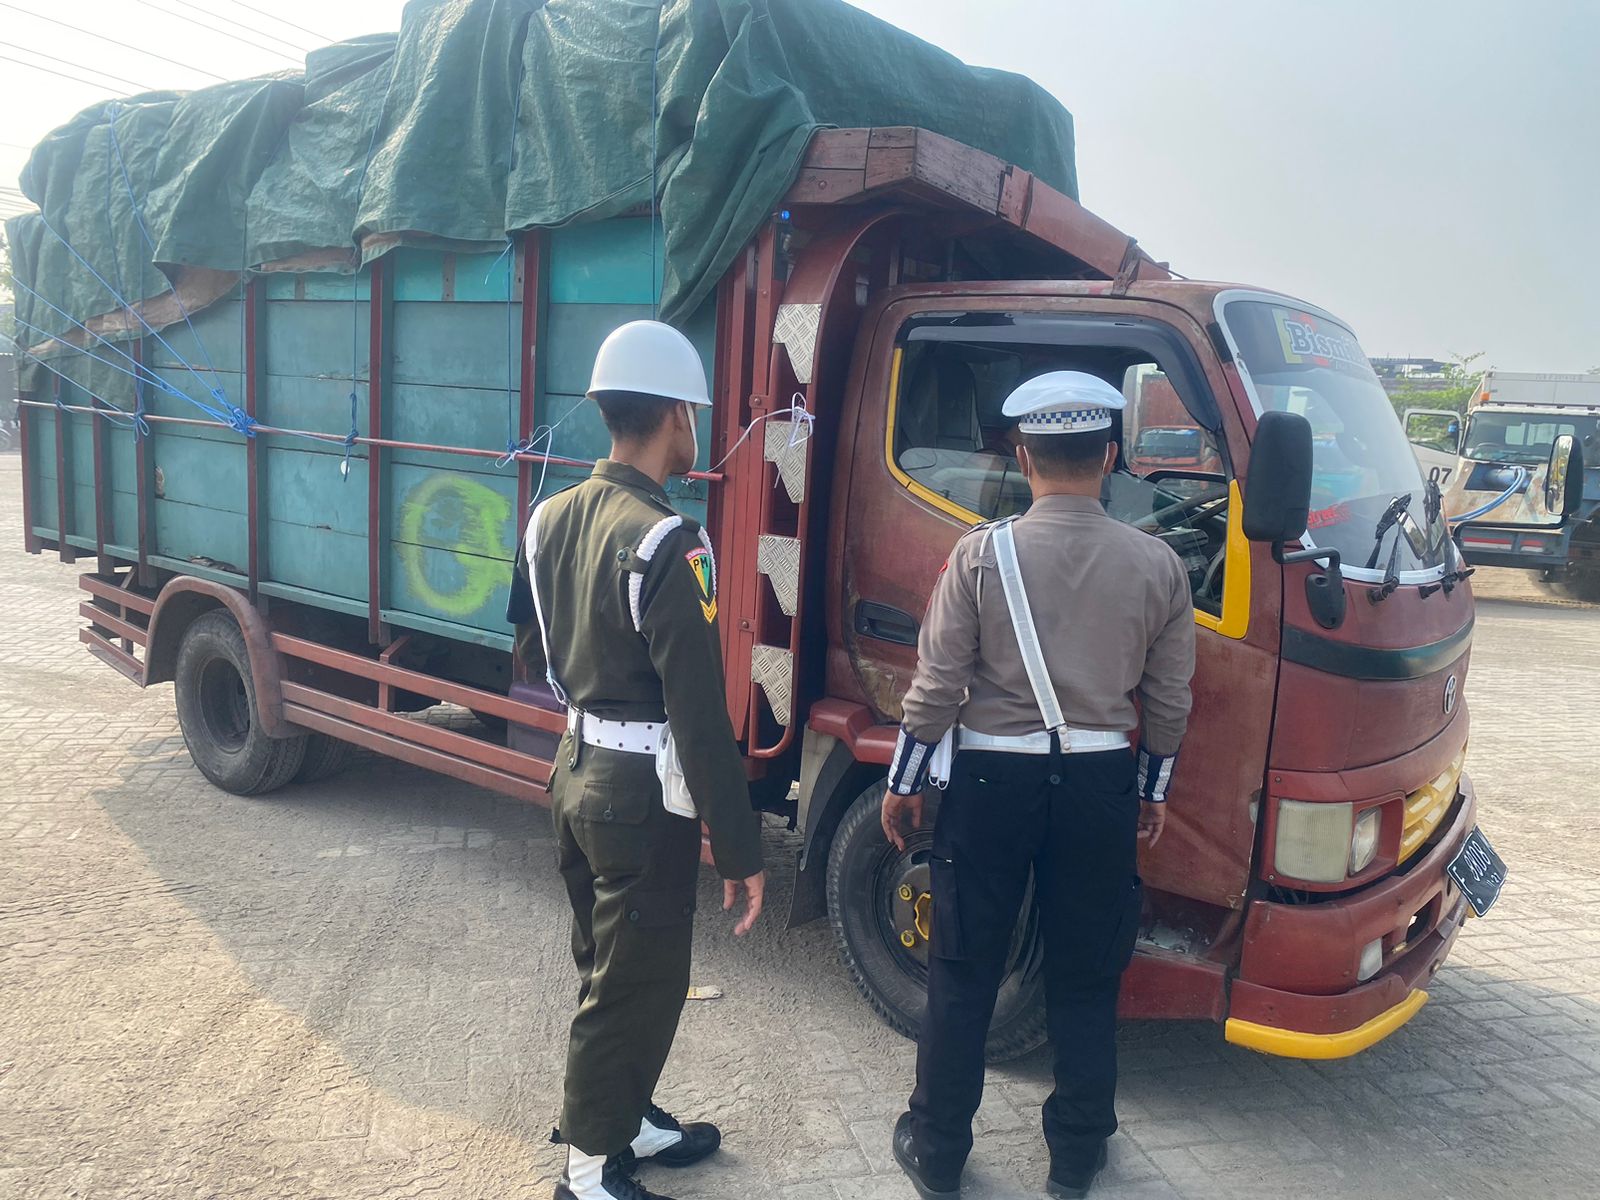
(615,602)
(1041,631)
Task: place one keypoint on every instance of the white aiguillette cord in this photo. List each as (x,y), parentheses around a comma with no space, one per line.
(797,412)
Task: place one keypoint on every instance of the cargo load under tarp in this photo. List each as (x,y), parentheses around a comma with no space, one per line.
(483,117)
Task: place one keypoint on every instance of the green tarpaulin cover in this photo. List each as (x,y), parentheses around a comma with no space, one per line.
(483,117)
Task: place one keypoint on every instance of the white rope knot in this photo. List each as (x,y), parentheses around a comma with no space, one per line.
(802,418)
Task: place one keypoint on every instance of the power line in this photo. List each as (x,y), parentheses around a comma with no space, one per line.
(282,20)
(77,66)
(217,29)
(62,74)
(241,25)
(114,41)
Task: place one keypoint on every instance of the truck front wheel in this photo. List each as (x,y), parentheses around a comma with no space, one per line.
(220,716)
(881,907)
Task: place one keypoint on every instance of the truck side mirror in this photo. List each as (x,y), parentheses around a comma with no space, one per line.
(1435,428)
(1563,482)
(1277,502)
(1277,508)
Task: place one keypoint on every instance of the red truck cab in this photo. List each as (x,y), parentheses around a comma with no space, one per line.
(1300,894)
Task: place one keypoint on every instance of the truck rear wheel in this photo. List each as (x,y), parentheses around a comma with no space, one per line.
(325,755)
(219,714)
(880,906)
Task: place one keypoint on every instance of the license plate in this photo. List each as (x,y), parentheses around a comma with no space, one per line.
(1479,872)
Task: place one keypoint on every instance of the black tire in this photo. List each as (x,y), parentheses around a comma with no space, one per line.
(865,875)
(324,756)
(219,714)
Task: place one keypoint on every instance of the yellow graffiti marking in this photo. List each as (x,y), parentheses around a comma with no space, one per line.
(471,524)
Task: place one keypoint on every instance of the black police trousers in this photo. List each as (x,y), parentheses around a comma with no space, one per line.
(631,869)
(1072,821)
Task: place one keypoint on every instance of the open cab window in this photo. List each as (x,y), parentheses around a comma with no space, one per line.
(949,444)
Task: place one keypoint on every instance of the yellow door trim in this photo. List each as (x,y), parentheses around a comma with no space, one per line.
(1291,1043)
(1235,619)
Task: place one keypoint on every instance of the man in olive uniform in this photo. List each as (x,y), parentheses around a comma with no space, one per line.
(1043,777)
(615,604)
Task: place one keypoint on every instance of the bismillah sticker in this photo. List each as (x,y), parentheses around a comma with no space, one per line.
(700,563)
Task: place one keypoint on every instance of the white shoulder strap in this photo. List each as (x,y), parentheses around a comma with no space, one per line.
(1044,692)
(530,551)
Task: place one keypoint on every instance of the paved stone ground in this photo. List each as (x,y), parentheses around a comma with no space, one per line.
(359,989)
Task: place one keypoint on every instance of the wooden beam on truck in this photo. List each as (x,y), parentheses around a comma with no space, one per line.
(380,327)
(31,541)
(890,162)
(144,477)
(255,378)
(420,756)
(63,483)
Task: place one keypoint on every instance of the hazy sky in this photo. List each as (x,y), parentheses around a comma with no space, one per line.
(1427,169)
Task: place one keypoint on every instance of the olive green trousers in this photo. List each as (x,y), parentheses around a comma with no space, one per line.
(631,869)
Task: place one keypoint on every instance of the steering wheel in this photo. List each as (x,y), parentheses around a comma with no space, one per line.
(1181,509)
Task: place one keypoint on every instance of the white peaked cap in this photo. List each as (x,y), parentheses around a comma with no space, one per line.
(1064,402)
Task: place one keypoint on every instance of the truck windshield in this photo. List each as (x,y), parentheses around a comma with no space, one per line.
(1305,362)
(1522,437)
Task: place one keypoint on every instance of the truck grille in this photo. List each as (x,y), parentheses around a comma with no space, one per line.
(1427,806)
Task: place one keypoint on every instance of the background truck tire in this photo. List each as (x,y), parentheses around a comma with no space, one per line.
(324,756)
(865,876)
(219,715)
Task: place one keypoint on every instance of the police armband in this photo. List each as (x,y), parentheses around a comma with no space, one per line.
(908,770)
(1155,771)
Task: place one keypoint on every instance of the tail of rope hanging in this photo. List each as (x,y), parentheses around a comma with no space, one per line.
(349,440)
(802,421)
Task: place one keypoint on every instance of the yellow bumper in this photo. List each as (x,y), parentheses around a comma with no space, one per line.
(1291,1043)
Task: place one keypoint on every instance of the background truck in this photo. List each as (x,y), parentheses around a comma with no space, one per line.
(297,482)
(1496,487)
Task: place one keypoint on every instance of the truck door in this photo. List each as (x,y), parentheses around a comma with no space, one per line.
(931,458)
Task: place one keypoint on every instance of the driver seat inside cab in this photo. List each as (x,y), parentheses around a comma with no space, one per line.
(953,441)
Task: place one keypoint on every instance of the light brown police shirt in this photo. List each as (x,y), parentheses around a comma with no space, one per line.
(1115,620)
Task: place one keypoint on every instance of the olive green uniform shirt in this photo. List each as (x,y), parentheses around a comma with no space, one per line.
(670,666)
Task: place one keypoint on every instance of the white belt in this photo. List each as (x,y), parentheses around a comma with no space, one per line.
(1073,741)
(631,737)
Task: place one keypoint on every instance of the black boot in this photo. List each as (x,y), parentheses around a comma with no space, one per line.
(1070,1181)
(668,1143)
(613,1181)
(905,1153)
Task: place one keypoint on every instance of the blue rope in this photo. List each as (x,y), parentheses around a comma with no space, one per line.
(1517,483)
(349,439)
(135,419)
(231,415)
(162,384)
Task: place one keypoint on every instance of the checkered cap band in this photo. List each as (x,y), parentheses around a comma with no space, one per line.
(1066,420)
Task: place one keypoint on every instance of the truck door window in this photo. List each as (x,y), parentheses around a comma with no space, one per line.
(950,445)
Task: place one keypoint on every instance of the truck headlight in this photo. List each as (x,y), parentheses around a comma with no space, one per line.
(1364,840)
(1314,840)
(1325,843)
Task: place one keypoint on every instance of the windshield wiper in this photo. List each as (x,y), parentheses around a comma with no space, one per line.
(1389,520)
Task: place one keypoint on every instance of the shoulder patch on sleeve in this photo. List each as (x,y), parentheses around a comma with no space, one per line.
(704,566)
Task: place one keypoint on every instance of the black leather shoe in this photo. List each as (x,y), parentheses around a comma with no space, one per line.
(905,1153)
(616,1183)
(1072,1183)
(700,1140)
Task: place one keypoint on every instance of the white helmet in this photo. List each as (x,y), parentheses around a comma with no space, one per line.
(649,358)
